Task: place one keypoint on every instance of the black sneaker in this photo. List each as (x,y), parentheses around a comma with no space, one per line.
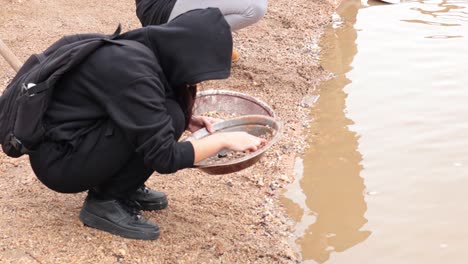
(149,199)
(117,217)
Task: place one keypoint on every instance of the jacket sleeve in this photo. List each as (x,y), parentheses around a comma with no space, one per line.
(136,103)
(140,111)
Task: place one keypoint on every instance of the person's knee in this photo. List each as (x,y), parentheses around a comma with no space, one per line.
(256,10)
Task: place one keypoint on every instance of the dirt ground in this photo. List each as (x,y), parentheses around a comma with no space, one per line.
(232,218)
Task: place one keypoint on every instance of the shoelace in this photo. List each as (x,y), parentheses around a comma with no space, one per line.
(132,207)
(144,189)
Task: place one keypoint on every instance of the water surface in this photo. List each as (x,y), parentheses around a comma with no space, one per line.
(386,177)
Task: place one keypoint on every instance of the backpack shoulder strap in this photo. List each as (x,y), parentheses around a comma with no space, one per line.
(126,42)
(40,57)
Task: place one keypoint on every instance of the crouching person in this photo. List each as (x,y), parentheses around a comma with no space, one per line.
(239,13)
(117,117)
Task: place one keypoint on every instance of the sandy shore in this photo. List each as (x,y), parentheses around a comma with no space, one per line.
(233,218)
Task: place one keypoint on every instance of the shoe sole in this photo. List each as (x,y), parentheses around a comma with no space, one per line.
(97,222)
(153,206)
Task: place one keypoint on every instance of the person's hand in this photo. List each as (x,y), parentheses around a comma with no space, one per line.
(199,122)
(236,141)
(243,141)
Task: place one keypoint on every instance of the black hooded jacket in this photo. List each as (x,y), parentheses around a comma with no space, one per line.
(154,12)
(133,85)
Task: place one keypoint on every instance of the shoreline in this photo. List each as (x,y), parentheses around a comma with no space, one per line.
(211,218)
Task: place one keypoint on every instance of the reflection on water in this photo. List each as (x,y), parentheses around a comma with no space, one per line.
(384,180)
(334,190)
(443,11)
(443,14)
(331,182)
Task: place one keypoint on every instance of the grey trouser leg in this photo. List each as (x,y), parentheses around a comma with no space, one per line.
(238,13)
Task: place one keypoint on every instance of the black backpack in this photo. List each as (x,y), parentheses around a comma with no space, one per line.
(25,100)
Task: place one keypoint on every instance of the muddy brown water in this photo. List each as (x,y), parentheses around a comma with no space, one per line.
(386,177)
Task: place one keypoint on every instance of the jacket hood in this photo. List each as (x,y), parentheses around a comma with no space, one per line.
(194,47)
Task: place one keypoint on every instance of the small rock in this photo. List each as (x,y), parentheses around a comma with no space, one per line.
(260,183)
(229,183)
(219,248)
